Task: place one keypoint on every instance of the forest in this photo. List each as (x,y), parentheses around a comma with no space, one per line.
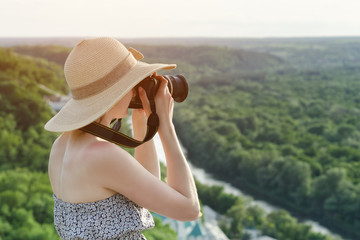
(284,128)
(289,134)
(265,121)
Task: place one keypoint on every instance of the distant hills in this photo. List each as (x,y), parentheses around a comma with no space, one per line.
(229,42)
(304,53)
(206,60)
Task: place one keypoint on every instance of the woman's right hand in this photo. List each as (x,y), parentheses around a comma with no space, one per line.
(164,104)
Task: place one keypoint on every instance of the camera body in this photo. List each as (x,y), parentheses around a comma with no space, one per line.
(177,85)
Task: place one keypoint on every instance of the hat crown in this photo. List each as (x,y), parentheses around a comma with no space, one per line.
(92,59)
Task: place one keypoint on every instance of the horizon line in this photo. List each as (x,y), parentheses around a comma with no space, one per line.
(187,37)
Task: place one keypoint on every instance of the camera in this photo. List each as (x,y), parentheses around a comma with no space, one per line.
(177,85)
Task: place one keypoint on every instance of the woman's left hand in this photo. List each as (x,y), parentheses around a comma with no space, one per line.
(140,115)
(145,154)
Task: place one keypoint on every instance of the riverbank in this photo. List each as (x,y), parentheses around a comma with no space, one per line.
(318,224)
(205,178)
(264,201)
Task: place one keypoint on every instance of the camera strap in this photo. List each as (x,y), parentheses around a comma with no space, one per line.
(121,139)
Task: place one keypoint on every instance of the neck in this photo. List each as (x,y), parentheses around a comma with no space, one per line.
(104,120)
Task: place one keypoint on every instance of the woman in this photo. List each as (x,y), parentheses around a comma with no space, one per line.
(101,191)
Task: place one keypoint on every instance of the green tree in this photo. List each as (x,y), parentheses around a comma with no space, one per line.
(237,215)
(26,205)
(160,232)
(328,186)
(255,217)
(282,226)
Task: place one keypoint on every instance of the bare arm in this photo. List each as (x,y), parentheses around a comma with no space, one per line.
(179,176)
(146,153)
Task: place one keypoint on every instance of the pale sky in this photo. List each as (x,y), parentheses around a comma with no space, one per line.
(182,18)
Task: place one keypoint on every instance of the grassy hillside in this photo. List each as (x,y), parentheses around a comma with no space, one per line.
(26,210)
(311,53)
(192,61)
(57,54)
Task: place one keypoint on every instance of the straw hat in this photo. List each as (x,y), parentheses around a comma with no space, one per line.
(99,73)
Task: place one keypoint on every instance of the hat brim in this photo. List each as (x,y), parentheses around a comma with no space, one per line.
(79,113)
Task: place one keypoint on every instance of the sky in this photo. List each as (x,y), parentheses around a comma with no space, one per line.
(182,18)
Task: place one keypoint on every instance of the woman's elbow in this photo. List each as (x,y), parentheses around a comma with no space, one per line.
(196,213)
(192,214)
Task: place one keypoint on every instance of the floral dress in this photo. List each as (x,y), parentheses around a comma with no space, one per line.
(115,217)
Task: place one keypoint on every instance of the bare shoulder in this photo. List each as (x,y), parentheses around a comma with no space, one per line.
(58,142)
(101,156)
(55,161)
(110,166)
(104,151)
(57,149)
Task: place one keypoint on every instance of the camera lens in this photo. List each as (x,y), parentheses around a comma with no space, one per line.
(178,87)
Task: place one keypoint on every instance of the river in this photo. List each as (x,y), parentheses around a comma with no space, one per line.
(206,178)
